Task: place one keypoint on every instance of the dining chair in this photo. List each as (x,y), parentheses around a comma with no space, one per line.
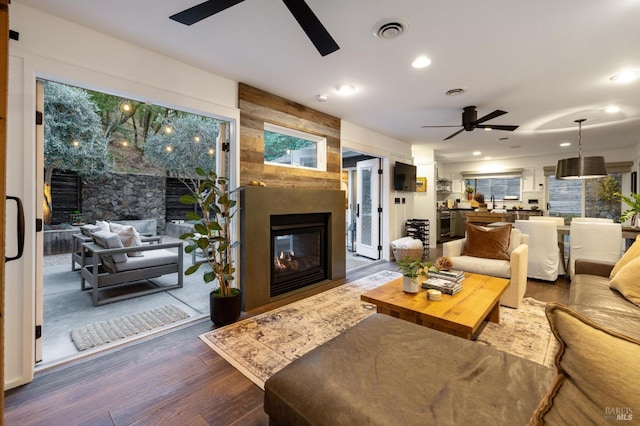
(544,261)
(594,241)
(555,219)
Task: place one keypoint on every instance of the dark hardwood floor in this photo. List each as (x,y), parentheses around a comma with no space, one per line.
(172,379)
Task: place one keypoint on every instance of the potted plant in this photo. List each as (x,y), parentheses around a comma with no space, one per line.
(212,235)
(412,268)
(632,213)
(469,191)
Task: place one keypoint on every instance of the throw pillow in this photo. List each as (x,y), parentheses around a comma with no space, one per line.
(632,252)
(103,225)
(626,281)
(109,240)
(489,243)
(129,237)
(89,229)
(597,373)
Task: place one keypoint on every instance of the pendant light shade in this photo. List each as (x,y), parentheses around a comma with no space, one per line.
(581,167)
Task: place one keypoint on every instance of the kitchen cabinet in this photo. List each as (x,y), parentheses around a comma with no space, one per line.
(459,223)
(484,218)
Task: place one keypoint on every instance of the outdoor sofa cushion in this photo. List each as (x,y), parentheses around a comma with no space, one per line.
(107,239)
(151,258)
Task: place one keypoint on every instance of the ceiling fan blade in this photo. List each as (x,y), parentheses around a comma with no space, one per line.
(494,114)
(202,11)
(459,131)
(426,127)
(312,26)
(497,127)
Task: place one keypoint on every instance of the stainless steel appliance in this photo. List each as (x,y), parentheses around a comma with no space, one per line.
(444,224)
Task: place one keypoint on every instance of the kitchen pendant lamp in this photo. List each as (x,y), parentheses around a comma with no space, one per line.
(581,167)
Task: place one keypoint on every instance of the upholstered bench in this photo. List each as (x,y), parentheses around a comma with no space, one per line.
(387,371)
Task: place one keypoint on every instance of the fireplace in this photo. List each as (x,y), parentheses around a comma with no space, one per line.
(291,210)
(298,251)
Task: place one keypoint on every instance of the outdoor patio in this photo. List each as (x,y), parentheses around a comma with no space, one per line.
(66,307)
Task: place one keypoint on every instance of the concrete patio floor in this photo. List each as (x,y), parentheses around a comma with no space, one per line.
(66,307)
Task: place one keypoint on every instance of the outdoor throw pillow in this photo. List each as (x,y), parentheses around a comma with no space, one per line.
(626,281)
(597,373)
(129,237)
(103,225)
(107,239)
(89,229)
(632,252)
(489,243)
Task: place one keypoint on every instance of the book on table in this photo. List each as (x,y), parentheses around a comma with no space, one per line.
(457,278)
(445,286)
(452,273)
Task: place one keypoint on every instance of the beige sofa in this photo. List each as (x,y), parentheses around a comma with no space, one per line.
(515,269)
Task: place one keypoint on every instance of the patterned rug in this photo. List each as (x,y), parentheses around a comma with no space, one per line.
(262,345)
(103,332)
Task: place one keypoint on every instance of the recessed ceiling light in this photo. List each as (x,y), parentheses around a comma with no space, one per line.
(626,76)
(346,89)
(322,98)
(455,92)
(421,62)
(565,144)
(476,153)
(488,129)
(612,109)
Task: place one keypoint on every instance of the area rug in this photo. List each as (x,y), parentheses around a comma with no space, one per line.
(262,345)
(103,332)
(524,332)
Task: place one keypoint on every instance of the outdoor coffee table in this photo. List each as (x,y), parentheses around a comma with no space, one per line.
(461,314)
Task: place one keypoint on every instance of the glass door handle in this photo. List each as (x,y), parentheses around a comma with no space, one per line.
(20,225)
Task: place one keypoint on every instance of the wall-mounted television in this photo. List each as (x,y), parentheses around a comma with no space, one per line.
(404,177)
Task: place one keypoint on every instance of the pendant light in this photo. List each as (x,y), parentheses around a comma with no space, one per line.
(581,167)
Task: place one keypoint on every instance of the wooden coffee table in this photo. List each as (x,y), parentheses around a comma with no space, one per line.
(461,314)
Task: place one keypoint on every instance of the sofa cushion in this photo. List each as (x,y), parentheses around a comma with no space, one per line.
(597,376)
(632,252)
(515,239)
(109,240)
(488,243)
(627,281)
(152,258)
(592,296)
(129,237)
(480,265)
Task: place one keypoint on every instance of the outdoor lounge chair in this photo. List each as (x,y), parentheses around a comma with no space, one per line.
(113,266)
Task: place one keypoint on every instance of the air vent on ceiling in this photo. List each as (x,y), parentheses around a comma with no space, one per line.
(390,28)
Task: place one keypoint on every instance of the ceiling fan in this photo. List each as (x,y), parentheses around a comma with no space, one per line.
(309,22)
(471,121)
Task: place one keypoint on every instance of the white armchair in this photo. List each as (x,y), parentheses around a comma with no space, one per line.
(515,269)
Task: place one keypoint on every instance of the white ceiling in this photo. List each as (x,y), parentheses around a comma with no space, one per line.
(546,62)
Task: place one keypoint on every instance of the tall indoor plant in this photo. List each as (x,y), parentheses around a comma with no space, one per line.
(213,236)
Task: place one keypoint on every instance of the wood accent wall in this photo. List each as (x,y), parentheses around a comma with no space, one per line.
(256,108)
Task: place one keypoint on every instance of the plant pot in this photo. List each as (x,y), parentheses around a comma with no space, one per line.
(469,196)
(225,310)
(410,285)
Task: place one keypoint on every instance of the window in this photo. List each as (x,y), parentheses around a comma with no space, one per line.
(569,198)
(502,188)
(292,148)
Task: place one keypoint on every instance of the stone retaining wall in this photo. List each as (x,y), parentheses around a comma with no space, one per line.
(124,197)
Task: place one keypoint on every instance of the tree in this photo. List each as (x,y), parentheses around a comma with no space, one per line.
(73,136)
(184,143)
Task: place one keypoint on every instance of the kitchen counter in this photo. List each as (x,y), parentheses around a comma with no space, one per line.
(484,218)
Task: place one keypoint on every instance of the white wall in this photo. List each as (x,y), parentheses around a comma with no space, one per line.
(52,48)
(390,150)
(425,202)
